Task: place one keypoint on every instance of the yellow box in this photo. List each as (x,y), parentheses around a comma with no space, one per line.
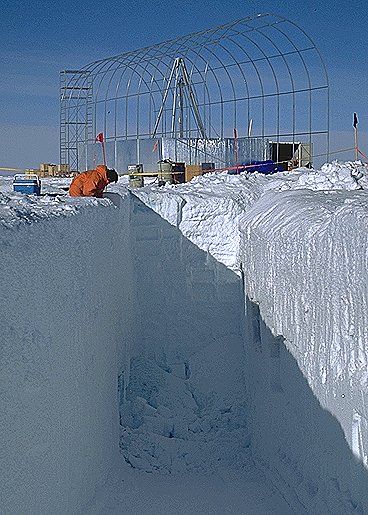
(192,171)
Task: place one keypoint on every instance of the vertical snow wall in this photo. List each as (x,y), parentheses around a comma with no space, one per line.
(66,296)
(304,258)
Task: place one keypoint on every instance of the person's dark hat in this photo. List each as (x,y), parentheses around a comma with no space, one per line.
(112,176)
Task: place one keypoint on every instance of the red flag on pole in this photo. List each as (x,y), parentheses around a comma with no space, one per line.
(100,139)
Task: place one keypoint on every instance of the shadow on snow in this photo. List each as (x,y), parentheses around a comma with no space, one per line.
(210,387)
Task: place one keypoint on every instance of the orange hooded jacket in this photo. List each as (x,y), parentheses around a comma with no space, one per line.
(90,183)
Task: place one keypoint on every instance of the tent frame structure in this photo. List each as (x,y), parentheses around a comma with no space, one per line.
(261,75)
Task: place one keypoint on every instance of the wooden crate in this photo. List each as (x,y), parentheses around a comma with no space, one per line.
(192,171)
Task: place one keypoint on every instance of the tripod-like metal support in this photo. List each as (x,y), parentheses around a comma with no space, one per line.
(181,88)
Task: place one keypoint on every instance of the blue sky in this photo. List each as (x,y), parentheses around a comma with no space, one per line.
(40,39)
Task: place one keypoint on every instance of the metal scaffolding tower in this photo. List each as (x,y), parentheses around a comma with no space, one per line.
(76,114)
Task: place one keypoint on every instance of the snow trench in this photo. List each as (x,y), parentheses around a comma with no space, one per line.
(183,407)
(303,261)
(119,331)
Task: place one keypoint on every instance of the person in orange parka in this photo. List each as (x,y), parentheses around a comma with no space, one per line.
(92,182)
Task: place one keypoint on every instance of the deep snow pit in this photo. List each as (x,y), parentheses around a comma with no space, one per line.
(168,428)
(184,406)
(227,334)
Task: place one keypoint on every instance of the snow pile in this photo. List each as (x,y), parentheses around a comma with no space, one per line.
(170,427)
(332,176)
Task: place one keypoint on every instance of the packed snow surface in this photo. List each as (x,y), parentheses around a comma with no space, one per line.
(207,210)
(229,314)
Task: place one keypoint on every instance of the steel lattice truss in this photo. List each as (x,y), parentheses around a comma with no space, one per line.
(262,75)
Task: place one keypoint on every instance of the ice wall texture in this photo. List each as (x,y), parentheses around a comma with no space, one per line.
(65,326)
(305,264)
(207,211)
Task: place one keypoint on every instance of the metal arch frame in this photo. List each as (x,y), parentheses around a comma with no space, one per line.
(268,59)
(222,87)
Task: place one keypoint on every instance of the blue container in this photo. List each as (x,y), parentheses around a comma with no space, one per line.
(265,167)
(27,184)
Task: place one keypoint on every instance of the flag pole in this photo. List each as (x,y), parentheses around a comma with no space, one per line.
(236,149)
(355,125)
(104,153)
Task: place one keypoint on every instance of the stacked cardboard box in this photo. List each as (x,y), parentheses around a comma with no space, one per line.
(52,170)
(192,171)
(63,170)
(47,170)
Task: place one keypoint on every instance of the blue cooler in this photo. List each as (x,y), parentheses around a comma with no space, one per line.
(29,184)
